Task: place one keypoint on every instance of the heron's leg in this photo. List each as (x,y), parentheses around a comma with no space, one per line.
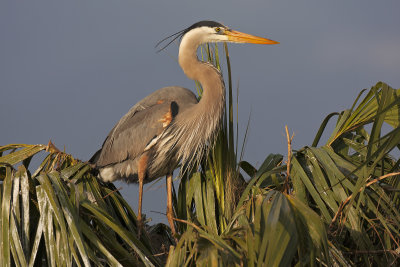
(142,169)
(139,217)
(170,213)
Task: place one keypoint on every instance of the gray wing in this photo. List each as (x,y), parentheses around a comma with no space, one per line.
(143,122)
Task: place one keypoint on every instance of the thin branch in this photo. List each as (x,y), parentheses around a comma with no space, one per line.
(361,189)
(289,159)
(187,222)
(394,252)
(160,254)
(109,194)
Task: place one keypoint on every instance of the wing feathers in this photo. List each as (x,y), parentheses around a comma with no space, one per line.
(139,129)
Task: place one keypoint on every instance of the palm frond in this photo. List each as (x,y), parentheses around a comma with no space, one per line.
(62,215)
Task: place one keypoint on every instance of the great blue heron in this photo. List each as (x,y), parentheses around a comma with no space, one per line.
(171,125)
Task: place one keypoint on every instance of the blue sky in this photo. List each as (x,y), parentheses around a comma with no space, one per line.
(70,69)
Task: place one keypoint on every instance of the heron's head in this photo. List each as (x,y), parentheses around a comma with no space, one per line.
(210,31)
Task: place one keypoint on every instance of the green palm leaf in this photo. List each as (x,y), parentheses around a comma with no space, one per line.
(61,215)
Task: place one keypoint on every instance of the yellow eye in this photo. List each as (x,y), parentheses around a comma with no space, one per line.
(217,29)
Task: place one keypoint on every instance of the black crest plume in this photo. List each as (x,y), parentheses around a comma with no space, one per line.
(180,34)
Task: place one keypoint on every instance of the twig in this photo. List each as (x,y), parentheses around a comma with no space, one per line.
(160,254)
(109,194)
(341,207)
(187,222)
(112,192)
(371,252)
(289,159)
(162,213)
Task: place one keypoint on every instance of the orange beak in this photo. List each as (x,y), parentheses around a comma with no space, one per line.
(240,37)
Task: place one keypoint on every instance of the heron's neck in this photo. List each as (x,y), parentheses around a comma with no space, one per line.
(208,76)
(199,125)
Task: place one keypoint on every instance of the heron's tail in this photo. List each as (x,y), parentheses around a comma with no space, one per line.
(93,160)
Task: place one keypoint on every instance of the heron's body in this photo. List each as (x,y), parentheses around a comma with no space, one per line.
(143,126)
(170,125)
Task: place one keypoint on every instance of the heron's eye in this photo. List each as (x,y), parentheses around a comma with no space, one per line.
(218,29)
